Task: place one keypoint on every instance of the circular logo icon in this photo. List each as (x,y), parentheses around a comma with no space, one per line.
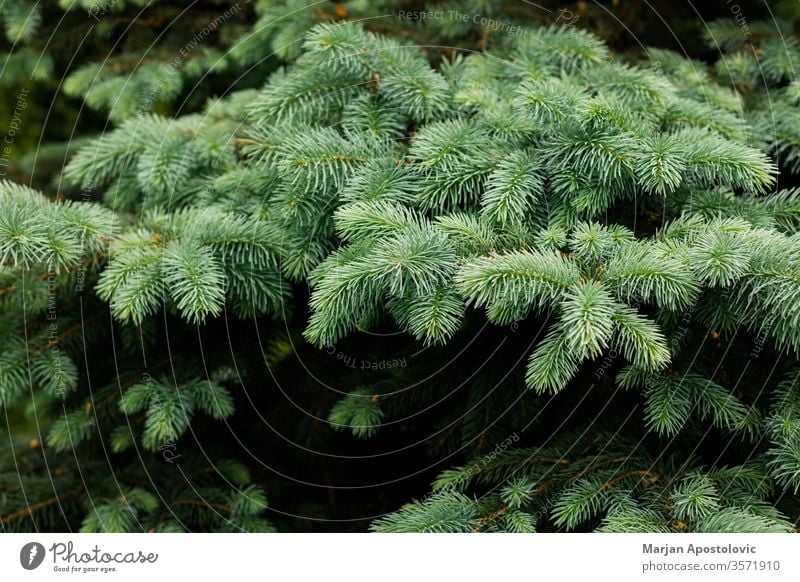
(31,555)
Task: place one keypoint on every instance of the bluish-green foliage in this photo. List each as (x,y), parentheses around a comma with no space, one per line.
(628,219)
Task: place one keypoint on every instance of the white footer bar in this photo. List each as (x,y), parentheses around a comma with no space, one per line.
(405,557)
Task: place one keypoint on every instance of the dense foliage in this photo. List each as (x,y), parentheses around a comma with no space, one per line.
(560,280)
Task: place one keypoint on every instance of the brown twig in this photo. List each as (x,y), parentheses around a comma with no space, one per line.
(39,505)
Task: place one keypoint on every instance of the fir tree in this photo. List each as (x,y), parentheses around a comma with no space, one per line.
(605,237)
